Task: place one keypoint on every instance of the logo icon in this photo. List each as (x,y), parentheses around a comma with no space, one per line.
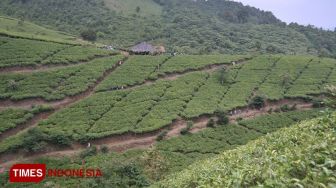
(27,173)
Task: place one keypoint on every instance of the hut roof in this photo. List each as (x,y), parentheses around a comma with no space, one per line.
(143,47)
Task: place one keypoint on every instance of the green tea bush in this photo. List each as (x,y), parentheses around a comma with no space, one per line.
(308,149)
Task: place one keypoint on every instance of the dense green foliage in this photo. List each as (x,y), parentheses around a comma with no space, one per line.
(266,124)
(178,153)
(308,75)
(145,109)
(27,52)
(119,170)
(185,150)
(76,54)
(194,62)
(21,28)
(151,107)
(56,83)
(181,25)
(303,155)
(134,71)
(11,118)
(138,69)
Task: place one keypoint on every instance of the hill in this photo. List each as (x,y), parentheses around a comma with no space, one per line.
(188,26)
(302,155)
(24,29)
(131,7)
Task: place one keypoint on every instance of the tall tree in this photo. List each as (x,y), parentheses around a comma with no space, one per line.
(223,76)
(242,16)
(89,35)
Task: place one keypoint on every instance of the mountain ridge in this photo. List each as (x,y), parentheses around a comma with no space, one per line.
(188,26)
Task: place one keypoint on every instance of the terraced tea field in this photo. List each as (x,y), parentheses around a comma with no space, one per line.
(137,97)
(16,53)
(57,98)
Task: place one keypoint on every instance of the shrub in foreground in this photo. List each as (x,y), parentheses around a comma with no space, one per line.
(308,150)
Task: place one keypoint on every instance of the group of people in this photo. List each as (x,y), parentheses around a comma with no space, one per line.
(234,112)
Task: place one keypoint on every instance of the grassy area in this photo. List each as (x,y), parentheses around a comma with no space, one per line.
(140,68)
(57,83)
(11,118)
(128,169)
(185,150)
(302,155)
(134,71)
(16,28)
(25,52)
(192,62)
(150,107)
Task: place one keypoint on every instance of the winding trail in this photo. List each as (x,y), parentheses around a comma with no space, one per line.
(57,104)
(49,67)
(121,143)
(175,75)
(60,104)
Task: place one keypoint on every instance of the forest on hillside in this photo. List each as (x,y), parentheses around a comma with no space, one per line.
(188,26)
(246,101)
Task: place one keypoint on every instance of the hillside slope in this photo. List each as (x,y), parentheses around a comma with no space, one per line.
(24,29)
(299,156)
(186,26)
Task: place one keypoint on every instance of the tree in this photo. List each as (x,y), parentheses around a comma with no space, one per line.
(271,49)
(258,45)
(242,16)
(34,140)
(223,76)
(119,173)
(323,52)
(222,117)
(89,35)
(137,9)
(257,102)
(100,34)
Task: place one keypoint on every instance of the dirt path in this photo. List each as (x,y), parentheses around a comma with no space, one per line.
(248,113)
(121,143)
(57,104)
(175,75)
(47,67)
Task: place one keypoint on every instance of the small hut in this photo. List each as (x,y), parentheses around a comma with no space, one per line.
(143,48)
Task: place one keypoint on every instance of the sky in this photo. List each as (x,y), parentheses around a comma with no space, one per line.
(321,13)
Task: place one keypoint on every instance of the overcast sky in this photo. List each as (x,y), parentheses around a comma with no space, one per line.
(321,13)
